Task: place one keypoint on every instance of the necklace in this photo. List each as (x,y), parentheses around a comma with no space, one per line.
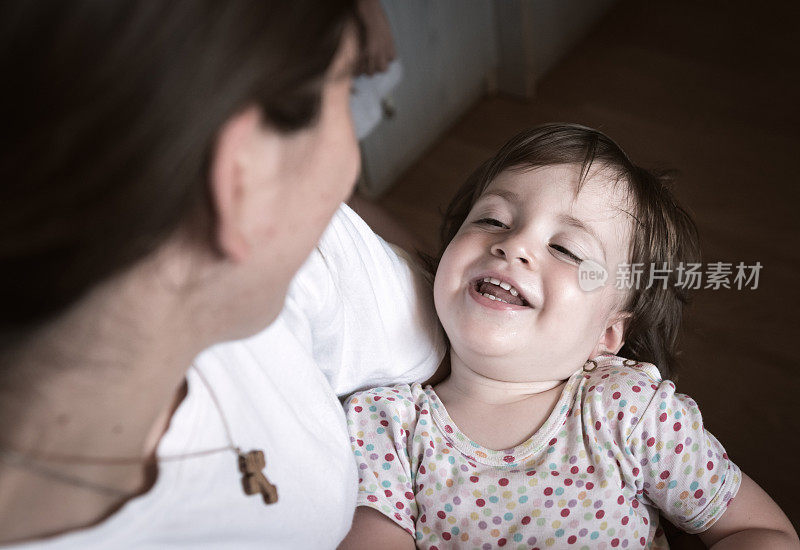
(251,464)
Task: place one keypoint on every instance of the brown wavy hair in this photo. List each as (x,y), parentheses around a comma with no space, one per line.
(663,232)
(110,115)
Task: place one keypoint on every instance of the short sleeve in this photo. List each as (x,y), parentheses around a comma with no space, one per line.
(685,471)
(364,311)
(380,421)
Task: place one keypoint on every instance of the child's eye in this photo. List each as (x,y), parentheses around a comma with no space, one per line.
(566,252)
(492,221)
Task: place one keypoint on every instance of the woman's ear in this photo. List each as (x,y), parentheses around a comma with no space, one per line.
(613,337)
(238,153)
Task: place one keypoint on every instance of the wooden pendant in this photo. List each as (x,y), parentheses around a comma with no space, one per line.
(254,481)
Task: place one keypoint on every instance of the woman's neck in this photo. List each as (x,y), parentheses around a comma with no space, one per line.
(102,382)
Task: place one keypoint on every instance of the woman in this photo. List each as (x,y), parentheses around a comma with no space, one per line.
(168,169)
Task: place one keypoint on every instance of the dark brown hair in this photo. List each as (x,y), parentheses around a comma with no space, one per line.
(663,232)
(110,114)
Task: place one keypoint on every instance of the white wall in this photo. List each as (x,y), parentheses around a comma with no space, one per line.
(449,50)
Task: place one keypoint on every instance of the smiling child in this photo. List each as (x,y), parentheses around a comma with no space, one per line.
(557,426)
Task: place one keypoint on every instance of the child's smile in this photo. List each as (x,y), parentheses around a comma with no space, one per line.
(501,293)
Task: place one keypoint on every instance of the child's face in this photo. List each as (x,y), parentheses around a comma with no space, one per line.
(519,232)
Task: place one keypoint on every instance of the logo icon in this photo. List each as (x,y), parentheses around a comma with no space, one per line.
(591,275)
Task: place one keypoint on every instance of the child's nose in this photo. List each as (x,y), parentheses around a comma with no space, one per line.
(512,250)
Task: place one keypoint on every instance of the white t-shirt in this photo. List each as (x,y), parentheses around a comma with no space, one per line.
(357,315)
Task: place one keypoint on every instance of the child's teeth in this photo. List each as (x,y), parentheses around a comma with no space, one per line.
(505,286)
(513,291)
(496,299)
(494,281)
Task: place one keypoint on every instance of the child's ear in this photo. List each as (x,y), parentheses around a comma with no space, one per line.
(613,337)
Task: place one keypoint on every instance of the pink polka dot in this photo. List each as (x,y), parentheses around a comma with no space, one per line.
(526,520)
(409,495)
(590,469)
(503,482)
(446,535)
(676,426)
(480,503)
(637,389)
(474,479)
(663,417)
(664,474)
(651,441)
(698,493)
(600,514)
(564,512)
(441,515)
(616,395)
(387,492)
(372,498)
(678,448)
(548,491)
(614,542)
(620,499)
(572,539)
(710,465)
(501,542)
(358,408)
(399,506)
(597,425)
(389,457)
(508,458)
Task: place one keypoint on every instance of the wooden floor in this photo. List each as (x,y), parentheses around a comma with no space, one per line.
(709,88)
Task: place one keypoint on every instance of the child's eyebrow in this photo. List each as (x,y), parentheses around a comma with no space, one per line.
(509,196)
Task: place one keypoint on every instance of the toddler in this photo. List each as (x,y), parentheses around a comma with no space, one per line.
(557,425)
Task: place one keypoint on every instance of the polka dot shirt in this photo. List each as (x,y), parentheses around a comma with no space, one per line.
(619,446)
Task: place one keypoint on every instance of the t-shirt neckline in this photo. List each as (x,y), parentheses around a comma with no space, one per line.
(506,457)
